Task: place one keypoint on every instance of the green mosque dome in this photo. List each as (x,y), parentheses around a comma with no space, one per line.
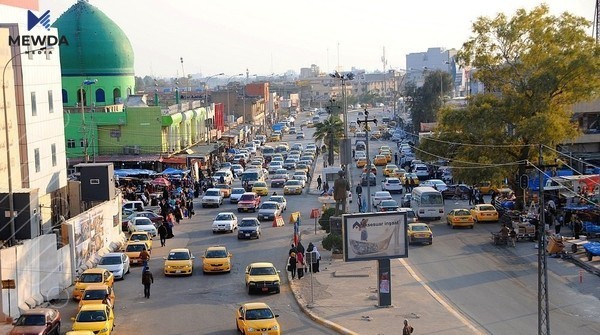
(97,46)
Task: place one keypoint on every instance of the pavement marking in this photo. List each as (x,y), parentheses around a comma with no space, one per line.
(439,299)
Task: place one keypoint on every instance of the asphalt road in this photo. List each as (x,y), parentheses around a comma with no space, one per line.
(206,304)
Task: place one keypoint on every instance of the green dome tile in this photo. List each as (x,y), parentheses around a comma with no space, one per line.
(97,46)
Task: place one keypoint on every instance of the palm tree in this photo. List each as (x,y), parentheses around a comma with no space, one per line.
(330,131)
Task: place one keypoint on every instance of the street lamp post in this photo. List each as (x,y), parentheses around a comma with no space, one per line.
(345,158)
(11,203)
(366,122)
(82,102)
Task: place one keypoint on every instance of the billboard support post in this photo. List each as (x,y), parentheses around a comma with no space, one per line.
(384,279)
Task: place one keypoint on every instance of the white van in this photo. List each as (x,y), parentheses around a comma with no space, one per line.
(427,202)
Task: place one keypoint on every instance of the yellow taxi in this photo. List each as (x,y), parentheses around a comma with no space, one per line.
(216,259)
(384,148)
(80,332)
(179,261)
(310,124)
(225,190)
(484,213)
(141,236)
(260,188)
(380,160)
(98,294)
(133,250)
(262,277)
(275,138)
(460,217)
(388,155)
(99,318)
(302,167)
(411,177)
(373,169)
(257,318)
(485,187)
(399,174)
(390,170)
(90,277)
(419,233)
(361,162)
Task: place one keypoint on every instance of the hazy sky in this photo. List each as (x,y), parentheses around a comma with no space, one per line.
(274,36)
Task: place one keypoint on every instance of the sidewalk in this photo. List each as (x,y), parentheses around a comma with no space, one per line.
(344,298)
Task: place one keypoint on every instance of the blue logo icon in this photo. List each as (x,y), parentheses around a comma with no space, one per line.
(43,20)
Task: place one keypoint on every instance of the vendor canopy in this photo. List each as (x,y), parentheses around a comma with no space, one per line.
(172,171)
(133,172)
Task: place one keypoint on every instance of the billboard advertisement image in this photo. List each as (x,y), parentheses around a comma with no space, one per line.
(371,236)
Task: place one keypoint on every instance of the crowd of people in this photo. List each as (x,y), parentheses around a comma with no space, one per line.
(297,263)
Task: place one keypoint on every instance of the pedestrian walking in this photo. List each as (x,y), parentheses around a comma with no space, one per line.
(353,153)
(359,190)
(408,329)
(314,266)
(300,264)
(162,233)
(396,158)
(147,280)
(145,256)
(291,264)
(319,181)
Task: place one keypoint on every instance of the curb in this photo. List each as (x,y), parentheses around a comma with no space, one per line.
(324,322)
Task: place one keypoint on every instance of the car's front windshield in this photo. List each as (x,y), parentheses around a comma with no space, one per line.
(248,223)
(223,217)
(216,254)
(178,256)
(263,271)
(31,320)
(112,260)
(268,206)
(212,193)
(91,316)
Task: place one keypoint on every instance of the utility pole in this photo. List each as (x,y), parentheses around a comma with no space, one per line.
(543,313)
(366,122)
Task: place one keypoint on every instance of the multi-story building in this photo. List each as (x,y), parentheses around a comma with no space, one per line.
(418,63)
(32,163)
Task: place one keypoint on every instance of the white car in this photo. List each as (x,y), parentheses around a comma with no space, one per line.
(212,197)
(302,178)
(227,176)
(379,196)
(274,166)
(238,169)
(435,183)
(360,154)
(115,262)
(410,214)
(250,147)
(236,194)
(226,222)
(280,199)
(392,185)
(421,171)
(141,224)
(269,210)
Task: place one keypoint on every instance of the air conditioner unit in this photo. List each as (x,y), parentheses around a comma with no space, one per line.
(135,150)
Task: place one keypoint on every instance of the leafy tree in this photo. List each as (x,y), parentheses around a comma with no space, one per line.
(535,66)
(330,131)
(425,101)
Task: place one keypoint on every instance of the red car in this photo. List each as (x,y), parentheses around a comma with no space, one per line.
(39,321)
(249,201)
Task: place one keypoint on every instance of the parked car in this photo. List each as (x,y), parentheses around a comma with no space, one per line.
(95,317)
(115,262)
(249,228)
(155,218)
(37,321)
(142,224)
(459,191)
(98,294)
(90,277)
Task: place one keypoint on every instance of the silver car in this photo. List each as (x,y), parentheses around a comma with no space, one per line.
(269,210)
(115,262)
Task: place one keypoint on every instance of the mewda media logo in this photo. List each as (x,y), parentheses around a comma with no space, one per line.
(37,40)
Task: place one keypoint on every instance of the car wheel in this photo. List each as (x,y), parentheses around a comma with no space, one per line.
(278,290)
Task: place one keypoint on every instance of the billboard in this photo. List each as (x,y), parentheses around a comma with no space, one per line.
(372,236)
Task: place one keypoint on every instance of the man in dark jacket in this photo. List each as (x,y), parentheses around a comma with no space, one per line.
(147,280)
(163,232)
